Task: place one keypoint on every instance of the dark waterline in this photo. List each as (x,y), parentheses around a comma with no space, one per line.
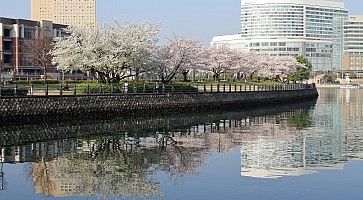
(298,151)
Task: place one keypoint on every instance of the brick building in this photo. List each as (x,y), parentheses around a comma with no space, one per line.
(13,33)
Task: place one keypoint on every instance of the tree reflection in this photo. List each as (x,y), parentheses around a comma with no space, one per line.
(123,162)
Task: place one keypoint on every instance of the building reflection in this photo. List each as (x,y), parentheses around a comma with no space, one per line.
(273,150)
(277,143)
(121,164)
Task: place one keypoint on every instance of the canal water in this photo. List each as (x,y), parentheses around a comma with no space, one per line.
(307,150)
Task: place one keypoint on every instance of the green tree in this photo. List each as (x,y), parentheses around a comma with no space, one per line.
(302,73)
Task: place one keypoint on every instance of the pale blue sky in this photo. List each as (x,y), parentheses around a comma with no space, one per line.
(196,19)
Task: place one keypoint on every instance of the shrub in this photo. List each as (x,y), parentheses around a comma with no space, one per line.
(96,88)
(52,82)
(11,92)
(36,82)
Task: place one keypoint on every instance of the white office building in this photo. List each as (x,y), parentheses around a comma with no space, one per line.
(353,44)
(313,28)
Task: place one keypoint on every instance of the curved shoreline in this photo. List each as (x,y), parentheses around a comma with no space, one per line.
(22,109)
(43,130)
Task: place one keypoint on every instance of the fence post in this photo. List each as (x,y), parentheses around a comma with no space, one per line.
(204,88)
(144,88)
(46,90)
(15,90)
(31,89)
(88,89)
(111,89)
(218,88)
(235,88)
(224,87)
(75,90)
(245,88)
(211,88)
(61,89)
(101,89)
(135,88)
(163,89)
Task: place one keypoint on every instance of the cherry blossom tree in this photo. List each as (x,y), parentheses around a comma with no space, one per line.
(178,56)
(222,59)
(68,52)
(248,64)
(279,68)
(198,60)
(110,53)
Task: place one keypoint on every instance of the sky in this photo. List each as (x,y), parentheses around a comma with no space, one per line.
(193,19)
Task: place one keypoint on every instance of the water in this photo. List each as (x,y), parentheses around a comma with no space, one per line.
(310,150)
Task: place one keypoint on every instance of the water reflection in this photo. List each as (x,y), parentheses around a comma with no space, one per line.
(90,162)
(278,150)
(120,157)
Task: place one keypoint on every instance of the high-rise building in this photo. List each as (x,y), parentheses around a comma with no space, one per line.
(353,44)
(313,28)
(81,13)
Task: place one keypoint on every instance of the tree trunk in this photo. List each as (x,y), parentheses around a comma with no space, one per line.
(45,74)
(137,76)
(216,76)
(185,76)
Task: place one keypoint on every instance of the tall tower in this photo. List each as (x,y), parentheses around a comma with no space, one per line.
(80,13)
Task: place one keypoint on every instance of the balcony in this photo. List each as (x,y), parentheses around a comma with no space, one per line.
(7,38)
(7,52)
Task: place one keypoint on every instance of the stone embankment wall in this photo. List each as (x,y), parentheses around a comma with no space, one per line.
(78,106)
(15,134)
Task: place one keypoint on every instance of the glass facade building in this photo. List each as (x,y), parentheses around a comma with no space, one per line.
(313,28)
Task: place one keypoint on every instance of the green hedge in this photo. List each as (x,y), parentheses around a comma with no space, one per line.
(50,82)
(11,92)
(38,82)
(96,88)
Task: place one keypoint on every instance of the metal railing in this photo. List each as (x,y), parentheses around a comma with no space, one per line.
(102,89)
